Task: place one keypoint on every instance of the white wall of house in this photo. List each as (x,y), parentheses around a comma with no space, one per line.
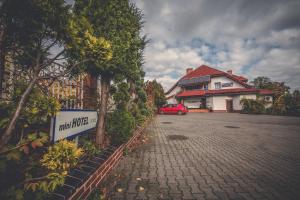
(236,102)
(171,100)
(223,79)
(175,91)
(192,102)
(219,102)
(172,94)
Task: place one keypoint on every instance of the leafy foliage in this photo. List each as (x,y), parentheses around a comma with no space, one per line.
(90,148)
(279,88)
(60,157)
(155,93)
(120,125)
(287,104)
(20,162)
(121,96)
(83,44)
(252,106)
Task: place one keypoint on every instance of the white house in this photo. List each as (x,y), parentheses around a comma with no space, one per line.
(206,88)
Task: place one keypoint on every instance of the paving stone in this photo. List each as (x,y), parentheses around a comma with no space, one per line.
(260,160)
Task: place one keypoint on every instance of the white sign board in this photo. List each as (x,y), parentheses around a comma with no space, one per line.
(69,123)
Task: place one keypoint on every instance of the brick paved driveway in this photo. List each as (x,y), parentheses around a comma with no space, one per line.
(225,156)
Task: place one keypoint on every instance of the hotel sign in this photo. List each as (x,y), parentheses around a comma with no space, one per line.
(69,123)
(230,84)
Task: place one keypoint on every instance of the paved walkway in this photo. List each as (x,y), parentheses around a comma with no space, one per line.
(213,156)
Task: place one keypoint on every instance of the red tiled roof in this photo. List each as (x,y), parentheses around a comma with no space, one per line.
(205,70)
(265,92)
(241,78)
(189,93)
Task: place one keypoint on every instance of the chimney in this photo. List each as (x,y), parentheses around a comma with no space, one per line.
(229,72)
(188,70)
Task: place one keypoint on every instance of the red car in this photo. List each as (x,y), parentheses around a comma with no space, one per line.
(173,109)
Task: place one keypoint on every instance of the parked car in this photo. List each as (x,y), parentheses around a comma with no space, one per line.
(179,109)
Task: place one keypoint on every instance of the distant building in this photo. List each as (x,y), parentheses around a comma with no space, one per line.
(206,88)
(72,92)
(75,93)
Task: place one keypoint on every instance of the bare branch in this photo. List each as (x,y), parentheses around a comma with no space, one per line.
(50,46)
(50,61)
(63,73)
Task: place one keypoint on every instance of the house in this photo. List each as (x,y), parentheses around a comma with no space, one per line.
(206,88)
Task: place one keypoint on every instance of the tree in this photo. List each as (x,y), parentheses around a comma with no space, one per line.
(155,93)
(279,88)
(120,23)
(261,82)
(287,104)
(51,34)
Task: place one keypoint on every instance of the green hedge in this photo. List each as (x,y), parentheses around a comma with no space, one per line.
(120,126)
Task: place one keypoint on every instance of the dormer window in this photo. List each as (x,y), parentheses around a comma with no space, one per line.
(218,85)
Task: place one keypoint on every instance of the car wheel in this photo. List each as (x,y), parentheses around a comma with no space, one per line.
(179,112)
(161,112)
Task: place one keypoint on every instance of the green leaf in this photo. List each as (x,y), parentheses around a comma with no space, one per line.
(32,136)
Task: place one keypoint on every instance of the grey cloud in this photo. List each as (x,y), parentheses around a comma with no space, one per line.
(237,34)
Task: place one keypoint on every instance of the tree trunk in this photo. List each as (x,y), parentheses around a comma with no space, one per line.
(100,128)
(2,70)
(12,124)
(2,62)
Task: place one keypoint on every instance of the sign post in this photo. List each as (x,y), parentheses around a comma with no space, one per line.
(71,123)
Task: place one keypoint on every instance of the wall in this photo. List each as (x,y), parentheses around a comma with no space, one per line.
(175,91)
(171,100)
(192,102)
(219,102)
(223,79)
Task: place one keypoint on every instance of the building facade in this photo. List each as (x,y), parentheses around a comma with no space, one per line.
(76,93)
(206,88)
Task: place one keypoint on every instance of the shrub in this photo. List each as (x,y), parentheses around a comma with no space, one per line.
(252,106)
(58,160)
(90,148)
(120,125)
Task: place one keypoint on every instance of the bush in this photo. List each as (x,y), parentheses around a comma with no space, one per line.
(252,106)
(120,125)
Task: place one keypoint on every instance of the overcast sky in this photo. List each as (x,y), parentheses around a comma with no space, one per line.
(251,37)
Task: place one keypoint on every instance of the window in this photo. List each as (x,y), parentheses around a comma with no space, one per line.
(218,85)
(193,87)
(205,87)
